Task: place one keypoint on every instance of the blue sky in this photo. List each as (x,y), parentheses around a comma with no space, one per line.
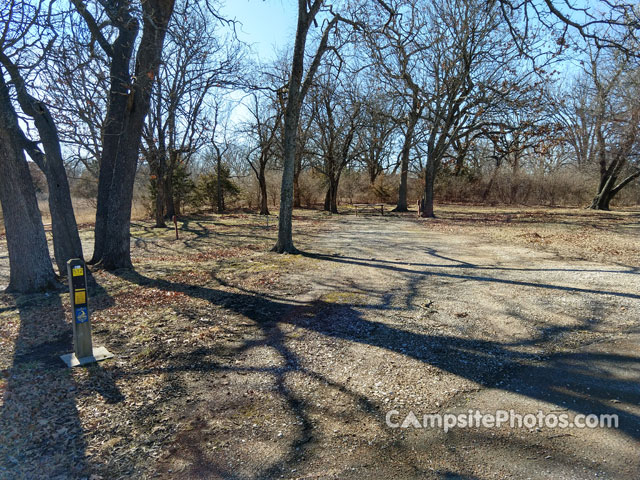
(267,25)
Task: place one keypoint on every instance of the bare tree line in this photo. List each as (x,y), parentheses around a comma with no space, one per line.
(404,86)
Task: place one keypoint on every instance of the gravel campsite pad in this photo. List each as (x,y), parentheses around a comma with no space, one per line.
(235,362)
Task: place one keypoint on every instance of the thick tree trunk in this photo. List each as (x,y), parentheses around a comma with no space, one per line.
(29,261)
(114,132)
(66,240)
(297,197)
(334,198)
(169,197)
(607,191)
(373,174)
(429,182)
(128,106)
(331,197)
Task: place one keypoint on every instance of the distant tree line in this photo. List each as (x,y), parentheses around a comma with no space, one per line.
(409,91)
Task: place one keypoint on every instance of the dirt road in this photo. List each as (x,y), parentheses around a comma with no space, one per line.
(398,318)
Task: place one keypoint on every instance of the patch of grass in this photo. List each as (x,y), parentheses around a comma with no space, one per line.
(345,298)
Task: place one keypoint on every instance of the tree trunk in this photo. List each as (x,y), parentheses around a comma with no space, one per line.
(264,200)
(334,197)
(404,171)
(29,261)
(295,97)
(128,106)
(414,116)
(297,197)
(66,240)
(169,197)
(291,120)
(331,197)
(608,189)
(605,194)
(429,182)
(114,132)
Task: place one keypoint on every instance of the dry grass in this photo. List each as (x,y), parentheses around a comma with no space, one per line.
(573,233)
(84,210)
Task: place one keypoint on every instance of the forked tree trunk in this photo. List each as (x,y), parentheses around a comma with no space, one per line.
(30,265)
(295,96)
(608,191)
(609,174)
(66,240)
(129,100)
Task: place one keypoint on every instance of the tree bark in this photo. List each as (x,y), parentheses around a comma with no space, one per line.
(114,131)
(171,208)
(129,100)
(264,200)
(66,240)
(30,265)
(295,97)
(429,182)
(414,116)
(297,197)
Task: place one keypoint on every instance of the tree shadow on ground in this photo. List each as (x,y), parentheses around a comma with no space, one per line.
(41,435)
(390,266)
(581,382)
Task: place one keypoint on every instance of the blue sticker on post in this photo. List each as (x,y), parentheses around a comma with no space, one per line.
(82,315)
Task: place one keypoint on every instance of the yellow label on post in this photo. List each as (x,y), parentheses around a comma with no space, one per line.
(78,271)
(81,297)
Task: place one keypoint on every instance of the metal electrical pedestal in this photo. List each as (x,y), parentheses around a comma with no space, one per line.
(83,351)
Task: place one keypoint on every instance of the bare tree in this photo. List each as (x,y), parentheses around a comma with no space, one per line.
(129,97)
(299,84)
(20,56)
(196,60)
(263,132)
(378,131)
(602,23)
(616,114)
(30,265)
(337,112)
(394,52)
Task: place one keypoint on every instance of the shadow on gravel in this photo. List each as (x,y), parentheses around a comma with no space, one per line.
(587,383)
(395,267)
